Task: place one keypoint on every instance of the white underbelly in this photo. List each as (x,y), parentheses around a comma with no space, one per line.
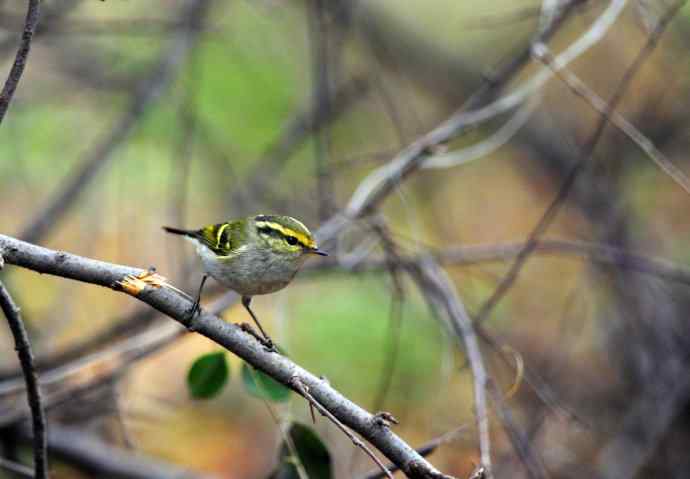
(249,274)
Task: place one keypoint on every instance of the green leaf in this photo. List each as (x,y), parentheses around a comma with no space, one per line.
(312,454)
(263,386)
(207,376)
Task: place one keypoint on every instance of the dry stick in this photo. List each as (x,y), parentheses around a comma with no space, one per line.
(579,88)
(230,336)
(320,44)
(125,327)
(50,16)
(296,383)
(378,185)
(146,95)
(434,279)
(20,59)
(425,450)
(392,260)
(438,287)
(92,454)
(287,439)
(61,383)
(395,317)
(521,443)
(482,253)
(23,348)
(587,156)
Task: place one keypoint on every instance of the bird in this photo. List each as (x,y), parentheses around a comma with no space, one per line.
(255,255)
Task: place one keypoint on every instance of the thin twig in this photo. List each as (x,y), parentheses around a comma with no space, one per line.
(287,439)
(148,92)
(297,384)
(64,382)
(441,289)
(392,260)
(23,348)
(30,24)
(483,253)
(519,440)
(579,88)
(555,206)
(100,459)
(320,43)
(478,109)
(424,451)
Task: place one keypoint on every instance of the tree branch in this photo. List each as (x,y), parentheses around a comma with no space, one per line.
(23,347)
(230,336)
(17,69)
(148,92)
(91,454)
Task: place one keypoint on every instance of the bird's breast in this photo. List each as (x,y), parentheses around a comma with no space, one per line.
(251,273)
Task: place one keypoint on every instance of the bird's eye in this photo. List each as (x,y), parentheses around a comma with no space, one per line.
(291,240)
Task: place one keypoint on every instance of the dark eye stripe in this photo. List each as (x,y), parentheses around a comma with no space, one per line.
(268,231)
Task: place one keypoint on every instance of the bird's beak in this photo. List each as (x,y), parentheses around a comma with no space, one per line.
(318,251)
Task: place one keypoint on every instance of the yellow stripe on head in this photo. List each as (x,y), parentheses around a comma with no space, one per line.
(303,239)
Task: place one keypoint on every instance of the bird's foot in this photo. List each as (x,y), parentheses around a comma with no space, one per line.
(191,315)
(267,342)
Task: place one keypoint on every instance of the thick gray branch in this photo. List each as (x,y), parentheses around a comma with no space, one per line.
(230,336)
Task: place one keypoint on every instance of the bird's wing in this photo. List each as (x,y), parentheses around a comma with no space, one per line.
(222,238)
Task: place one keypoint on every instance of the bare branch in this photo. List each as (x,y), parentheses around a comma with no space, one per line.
(320,44)
(148,92)
(483,253)
(20,59)
(579,88)
(425,450)
(478,109)
(64,382)
(23,348)
(520,442)
(304,391)
(230,336)
(93,455)
(442,291)
(555,206)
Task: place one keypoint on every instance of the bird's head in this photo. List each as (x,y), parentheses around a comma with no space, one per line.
(285,235)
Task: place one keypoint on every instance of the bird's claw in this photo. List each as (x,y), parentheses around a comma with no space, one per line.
(266,342)
(191,315)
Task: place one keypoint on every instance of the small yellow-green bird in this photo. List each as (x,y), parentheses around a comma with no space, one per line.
(255,255)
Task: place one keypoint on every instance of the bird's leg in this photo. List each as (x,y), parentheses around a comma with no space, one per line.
(195,306)
(266,340)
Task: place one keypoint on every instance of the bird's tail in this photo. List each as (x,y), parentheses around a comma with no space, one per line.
(178,231)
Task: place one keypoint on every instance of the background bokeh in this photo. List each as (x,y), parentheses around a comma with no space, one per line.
(187,115)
